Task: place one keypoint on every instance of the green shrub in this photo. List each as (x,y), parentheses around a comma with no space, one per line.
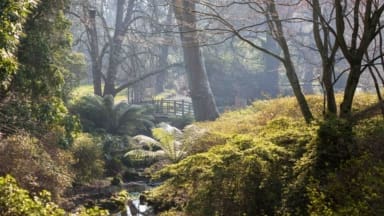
(88,155)
(198,139)
(357,188)
(36,165)
(264,160)
(336,143)
(15,201)
(240,177)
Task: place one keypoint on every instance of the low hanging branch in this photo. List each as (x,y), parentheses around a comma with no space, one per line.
(145,76)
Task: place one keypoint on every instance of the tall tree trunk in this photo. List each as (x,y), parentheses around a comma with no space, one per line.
(109,88)
(277,29)
(349,92)
(294,81)
(328,86)
(327,53)
(115,49)
(94,51)
(204,105)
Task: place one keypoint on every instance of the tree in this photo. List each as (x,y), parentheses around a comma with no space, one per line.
(365,28)
(327,48)
(12,17)
(94,52)
(276,28)
(105,38)
(111,32)
(34,90)
(49,38)
(267,13)
(124,18)
(353,29)
(204,105)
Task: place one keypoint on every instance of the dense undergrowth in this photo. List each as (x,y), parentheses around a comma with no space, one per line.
(15,201)
(264,160)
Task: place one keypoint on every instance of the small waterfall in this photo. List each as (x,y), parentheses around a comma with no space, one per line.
(137,208)
(128,210)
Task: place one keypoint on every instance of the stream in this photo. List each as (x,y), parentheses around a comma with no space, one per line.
(136,208)
(142,210)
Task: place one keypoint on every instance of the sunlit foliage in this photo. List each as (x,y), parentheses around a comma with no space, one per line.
(260,164)
(31,94)
(36,164)
(89,164)
(168,144)
(13,14)
(15,201)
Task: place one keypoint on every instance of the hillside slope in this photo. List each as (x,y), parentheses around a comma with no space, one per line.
(264,160)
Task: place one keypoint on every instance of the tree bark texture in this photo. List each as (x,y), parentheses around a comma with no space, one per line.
(277,29)
(327,55)
(124,18)
(365,27)
(94,53)
(204,105)
(349,91)
(115,49)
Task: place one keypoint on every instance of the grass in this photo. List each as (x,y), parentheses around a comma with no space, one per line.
(84,90)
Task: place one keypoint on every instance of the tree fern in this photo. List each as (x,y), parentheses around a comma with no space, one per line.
(101,114)
(168,139)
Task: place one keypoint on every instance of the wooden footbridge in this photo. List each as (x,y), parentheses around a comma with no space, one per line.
(164,108)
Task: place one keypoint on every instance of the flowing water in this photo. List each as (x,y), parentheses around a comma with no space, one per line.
(134,208)
(143,210)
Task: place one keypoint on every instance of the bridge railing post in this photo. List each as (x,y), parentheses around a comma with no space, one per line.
(174,107)
(167,105)
(161,106)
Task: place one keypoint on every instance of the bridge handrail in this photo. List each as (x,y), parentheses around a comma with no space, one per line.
(169,106)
